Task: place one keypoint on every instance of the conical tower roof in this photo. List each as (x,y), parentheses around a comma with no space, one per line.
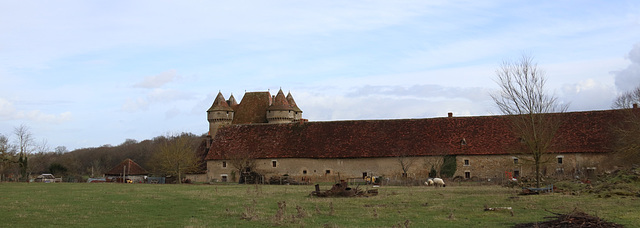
(129,167)
(280,103)
(232,101)
(220,104)
(292,103)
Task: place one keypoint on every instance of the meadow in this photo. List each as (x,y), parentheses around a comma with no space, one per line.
(232,205)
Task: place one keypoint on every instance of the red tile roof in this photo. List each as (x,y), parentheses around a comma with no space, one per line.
(252,108)
(132,168)
(582,132)
(280,103)
(219,104)
(292,102)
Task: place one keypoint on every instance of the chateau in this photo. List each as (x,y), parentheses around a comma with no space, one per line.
(270,130)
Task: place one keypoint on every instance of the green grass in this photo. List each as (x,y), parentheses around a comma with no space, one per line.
(140,205)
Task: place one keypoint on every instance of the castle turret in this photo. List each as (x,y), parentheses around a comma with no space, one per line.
(232,102)
(280,110)
(297,111)
(219,114)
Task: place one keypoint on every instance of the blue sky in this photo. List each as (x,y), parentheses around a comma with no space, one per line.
(89,73)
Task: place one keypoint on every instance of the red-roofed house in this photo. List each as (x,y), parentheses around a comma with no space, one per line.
(352,149)
(127,170)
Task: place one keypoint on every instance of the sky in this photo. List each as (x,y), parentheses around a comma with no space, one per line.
(91,73)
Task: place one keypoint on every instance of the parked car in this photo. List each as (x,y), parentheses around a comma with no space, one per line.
(46,178)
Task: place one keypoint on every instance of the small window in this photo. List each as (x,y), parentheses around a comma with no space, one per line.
(516,173)
(559,160)
(515,161)
(364,175)
(274,163)
(224,164)
(327,171)
(467,174)
(466,162)
(463,142)
(304,171)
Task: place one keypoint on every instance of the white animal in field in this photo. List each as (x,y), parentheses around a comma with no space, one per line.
(429,182)
(435,181)
(439,182)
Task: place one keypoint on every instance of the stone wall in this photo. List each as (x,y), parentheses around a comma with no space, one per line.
(477,167)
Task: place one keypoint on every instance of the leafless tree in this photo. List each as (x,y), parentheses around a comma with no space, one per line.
(177,156)
(627,99)
(406,162)
(523,98)
(242,162)
(25,147)
(627,131)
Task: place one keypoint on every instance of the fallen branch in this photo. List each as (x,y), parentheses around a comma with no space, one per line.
(487,208)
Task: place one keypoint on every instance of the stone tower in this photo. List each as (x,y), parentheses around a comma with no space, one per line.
(297,115)
(220,113)
(280,110)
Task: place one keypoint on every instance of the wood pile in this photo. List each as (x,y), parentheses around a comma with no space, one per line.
(343,190)
(571,220)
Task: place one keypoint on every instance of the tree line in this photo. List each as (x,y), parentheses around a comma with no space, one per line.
(22,158)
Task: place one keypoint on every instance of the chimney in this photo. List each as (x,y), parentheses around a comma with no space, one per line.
(450,114)
(635,105)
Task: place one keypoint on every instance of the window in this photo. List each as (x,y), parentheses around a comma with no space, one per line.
(304,171)
(364,175)
(224,164)
(327,171)
(463,142)
(515,161)
(560,159)
(224,177)
(516,173)
(559,171)
(274,163)
(466,162)
(467,174)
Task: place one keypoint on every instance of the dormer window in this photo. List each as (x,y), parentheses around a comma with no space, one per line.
(463,142)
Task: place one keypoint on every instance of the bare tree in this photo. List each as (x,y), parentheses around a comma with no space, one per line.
(627,99)
(406,162)
(177,156)
(242,162)
(527,104)
(627,130)
(59,150)
(25,147)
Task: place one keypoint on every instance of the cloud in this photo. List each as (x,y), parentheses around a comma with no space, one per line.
(156,94)
(588,95)
(162,96)
(422,92)
(134,105)
(9,112)
(629,78)
(384,102)
(157,81)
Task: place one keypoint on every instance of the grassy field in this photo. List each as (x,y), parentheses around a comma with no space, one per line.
(143,205)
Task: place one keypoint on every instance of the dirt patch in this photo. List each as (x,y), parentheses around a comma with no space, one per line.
(574,219)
